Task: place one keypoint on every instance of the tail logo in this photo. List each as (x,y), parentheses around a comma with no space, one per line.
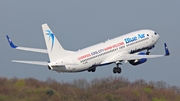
(51,36)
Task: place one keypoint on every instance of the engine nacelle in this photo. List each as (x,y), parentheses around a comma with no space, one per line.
(138,61)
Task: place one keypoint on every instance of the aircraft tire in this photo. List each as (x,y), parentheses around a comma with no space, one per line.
(119,70)
(114,70)
(147,53)
(93,70)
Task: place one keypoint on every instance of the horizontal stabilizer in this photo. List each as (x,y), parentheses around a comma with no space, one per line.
(42,63)
(25,48)
(32,49)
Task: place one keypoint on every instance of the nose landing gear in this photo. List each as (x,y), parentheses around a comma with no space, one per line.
(147,53)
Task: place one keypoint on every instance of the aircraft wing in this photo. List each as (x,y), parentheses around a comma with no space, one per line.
(124,56)
(25,48)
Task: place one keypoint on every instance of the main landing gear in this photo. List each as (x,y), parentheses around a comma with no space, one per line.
(117,69)
(92,70)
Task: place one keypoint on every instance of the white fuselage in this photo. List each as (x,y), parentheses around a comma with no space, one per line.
(95,55)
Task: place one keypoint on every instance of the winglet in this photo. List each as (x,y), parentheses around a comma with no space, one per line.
(166,50)
(10,42)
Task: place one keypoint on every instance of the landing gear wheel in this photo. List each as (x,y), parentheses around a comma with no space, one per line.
(114,69)
(93,70)
(147,53)
(119,70)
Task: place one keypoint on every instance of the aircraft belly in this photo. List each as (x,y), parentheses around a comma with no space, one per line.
(82,67)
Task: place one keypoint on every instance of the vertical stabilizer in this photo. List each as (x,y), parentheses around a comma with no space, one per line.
(55,50)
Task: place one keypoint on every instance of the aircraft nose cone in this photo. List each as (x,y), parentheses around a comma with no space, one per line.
(157,37)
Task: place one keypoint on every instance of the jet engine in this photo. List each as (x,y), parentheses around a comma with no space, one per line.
(138,61)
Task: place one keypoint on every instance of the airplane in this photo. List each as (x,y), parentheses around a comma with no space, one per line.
(127,48)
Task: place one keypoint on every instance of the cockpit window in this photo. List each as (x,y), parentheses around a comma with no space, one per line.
(155,33)
(147,34)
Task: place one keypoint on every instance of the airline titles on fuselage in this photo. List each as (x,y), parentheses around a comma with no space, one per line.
(129,41)
(132,39)
(135,39)
(100,51)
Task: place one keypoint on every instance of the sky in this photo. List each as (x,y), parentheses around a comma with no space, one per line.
(80,23)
